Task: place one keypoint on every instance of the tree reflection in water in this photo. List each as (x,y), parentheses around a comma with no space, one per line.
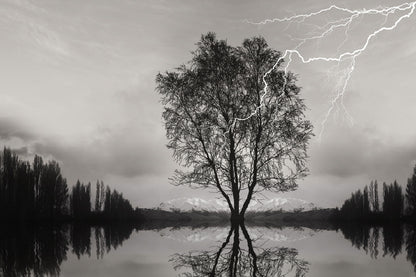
(237,259)
(411,245)
(233,258)
(40,250)
(395,238)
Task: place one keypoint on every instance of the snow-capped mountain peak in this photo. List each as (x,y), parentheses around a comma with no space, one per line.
(197,204)
(284,204)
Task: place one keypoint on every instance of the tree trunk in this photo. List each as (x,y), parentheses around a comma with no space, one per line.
(236,218)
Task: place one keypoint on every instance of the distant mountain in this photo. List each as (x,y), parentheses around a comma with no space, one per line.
(219,205)
(284,204)
(196,204)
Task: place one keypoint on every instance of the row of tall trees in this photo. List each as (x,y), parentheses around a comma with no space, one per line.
(80,200)
(38,191)
(396,203)
(109,204)
(411,195)
(29,191)
(393,204)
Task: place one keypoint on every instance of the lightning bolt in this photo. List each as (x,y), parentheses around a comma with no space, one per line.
(321,32)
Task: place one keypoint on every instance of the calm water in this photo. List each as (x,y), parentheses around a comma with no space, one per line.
(123,250)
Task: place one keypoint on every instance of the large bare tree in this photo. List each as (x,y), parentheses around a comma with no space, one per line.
(229,131)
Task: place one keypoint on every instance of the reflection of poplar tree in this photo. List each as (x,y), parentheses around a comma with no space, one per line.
(411,245)
(367,238)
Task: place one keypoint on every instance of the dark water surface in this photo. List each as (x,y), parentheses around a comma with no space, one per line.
(126,250)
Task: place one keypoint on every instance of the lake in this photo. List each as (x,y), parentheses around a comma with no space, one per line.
(127,250)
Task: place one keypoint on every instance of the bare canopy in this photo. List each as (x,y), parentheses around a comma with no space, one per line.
(230,132)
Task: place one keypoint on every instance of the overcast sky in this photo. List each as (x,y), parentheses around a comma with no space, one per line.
(77,84)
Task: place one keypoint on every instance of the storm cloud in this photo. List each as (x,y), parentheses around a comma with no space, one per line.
(10,128)
(355,151)
(78,86)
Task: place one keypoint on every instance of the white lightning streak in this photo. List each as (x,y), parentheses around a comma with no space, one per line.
(328,28)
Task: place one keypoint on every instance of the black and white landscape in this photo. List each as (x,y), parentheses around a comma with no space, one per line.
(207,138)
